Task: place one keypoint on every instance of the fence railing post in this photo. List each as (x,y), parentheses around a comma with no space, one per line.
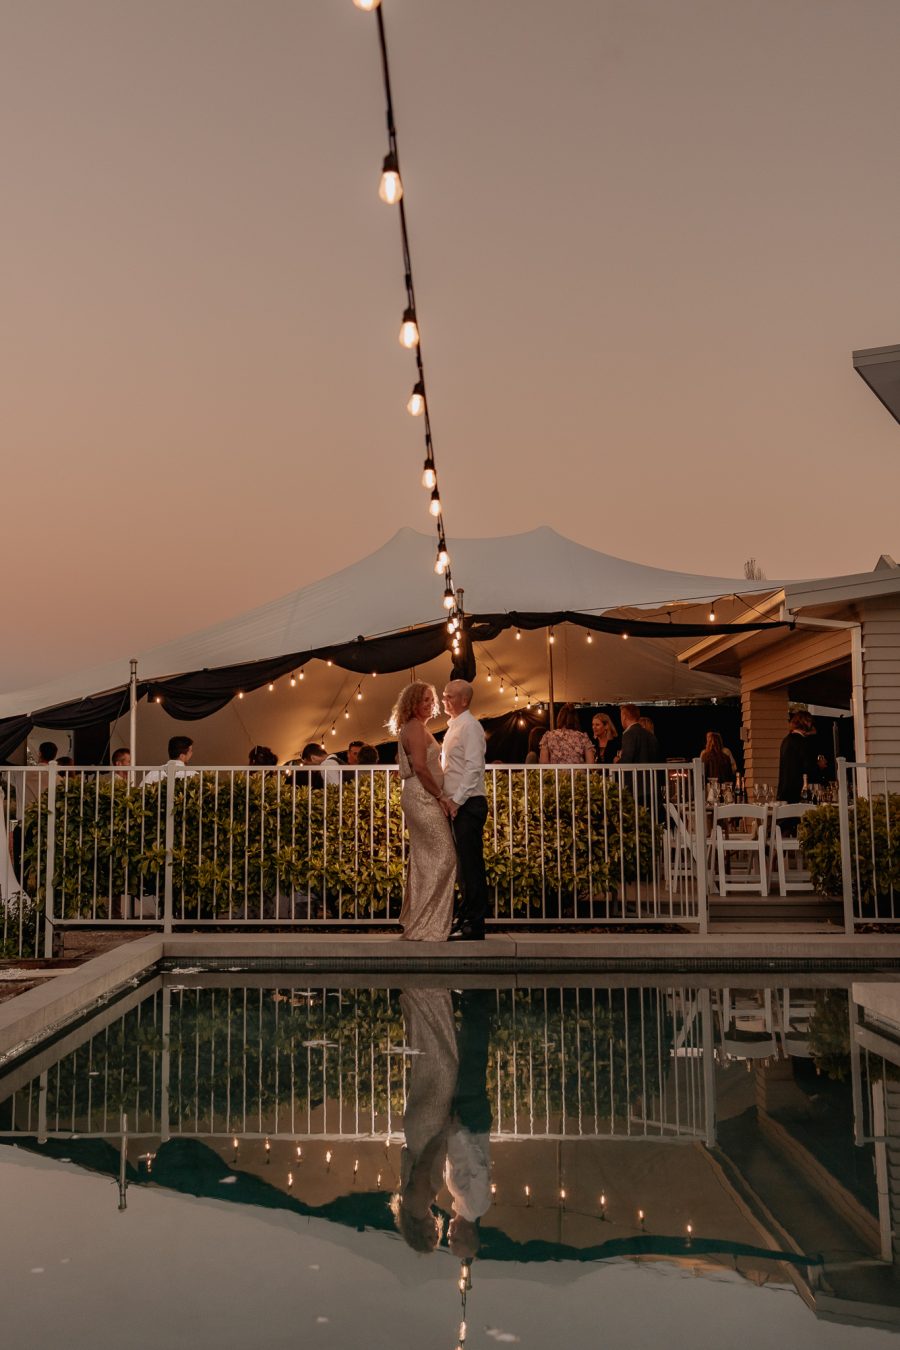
(843,778)
(170,846)
(50,861)
(699,831)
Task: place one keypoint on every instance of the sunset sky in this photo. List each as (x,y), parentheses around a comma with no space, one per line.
(647,236)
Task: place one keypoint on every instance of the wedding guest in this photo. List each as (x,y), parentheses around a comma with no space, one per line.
(567,744)
(366,755)
(639,746)
(647,724)
(718,761)
(535,736)
(462,758)
(47,752)
(316,756)
(353,750)
(796,757)
(606,736)
(427,911)
(181,749)
(121,760)
(261,756)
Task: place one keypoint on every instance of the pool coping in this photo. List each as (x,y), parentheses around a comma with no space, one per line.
(31,1016)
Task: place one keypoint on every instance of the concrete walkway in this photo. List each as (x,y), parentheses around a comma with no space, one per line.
(52,1004)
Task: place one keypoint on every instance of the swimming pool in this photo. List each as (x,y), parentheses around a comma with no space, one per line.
(215,1159)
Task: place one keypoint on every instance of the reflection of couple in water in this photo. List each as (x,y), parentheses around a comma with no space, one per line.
(448,1119)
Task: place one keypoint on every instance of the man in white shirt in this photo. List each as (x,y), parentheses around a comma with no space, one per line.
(181,748)
(467,1169)
(462,757)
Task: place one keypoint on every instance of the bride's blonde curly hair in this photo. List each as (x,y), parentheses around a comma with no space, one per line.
(407,702)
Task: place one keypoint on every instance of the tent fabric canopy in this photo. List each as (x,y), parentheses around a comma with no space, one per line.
(383,614)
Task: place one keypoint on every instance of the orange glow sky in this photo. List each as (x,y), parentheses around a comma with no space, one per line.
(647,237)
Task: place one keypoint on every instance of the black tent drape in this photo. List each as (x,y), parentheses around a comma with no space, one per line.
(200,693)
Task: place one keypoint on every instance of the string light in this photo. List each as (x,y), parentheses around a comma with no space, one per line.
(552,638)
(268,1148)
(240,694)
(333,729)
(301,674)
(624,637)
(299,1153)
(527,1195)
(293,681)
(409,329)
(359,696)
(449,602)
(390,189)
(602,1205)
(590,638)
(290,1180)
(712,613)
(271,689)
(518,635)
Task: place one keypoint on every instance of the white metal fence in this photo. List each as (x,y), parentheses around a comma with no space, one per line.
(869,843)
(297,846)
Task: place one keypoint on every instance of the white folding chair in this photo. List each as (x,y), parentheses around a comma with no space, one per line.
(732,844)
(680,852)
(795,1012)
(785,847)
(748,1025)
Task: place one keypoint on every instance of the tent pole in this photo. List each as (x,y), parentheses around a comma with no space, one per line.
(550,680)
(132,712)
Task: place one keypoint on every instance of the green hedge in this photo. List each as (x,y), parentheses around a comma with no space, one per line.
(874,841)
(242,841)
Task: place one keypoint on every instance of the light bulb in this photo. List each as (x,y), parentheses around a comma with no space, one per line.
(329,662)
(434,505)
(367,5)
(271,688)
(240,693)
(551,639)
(521,721)
(347,714)
(517,696)
(502,686)
(440,564)
(359,696)
(390,189)
(429,477)
(334,731)
(293,681)
(489,677)
(290,1179)
(590,637)
(712,613)
(518,635)
(451,627)
(301,675)
(416,405)
(409,330)
(624,637)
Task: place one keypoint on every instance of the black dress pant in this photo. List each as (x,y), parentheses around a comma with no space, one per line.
(468,832)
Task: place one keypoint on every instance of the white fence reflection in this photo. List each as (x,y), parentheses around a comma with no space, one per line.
(320,1064)
(225,847)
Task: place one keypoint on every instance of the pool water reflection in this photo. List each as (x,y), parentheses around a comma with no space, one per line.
(253,1160)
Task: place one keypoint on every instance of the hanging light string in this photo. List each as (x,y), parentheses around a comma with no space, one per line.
(494,671)
(390,191)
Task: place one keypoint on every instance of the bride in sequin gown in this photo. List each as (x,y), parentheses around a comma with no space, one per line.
(427,911)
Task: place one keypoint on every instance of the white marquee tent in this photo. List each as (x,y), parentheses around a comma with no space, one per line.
(394,590)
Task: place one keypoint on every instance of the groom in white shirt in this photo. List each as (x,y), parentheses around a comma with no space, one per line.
(462,757)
